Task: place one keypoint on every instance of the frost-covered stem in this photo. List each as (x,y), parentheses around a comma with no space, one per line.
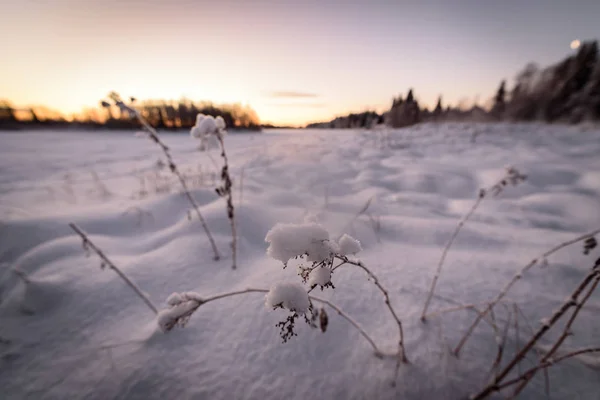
(501,342)
(173,167)
(401,349)
(364,209)
(227,190)
(538,351)
(20,274)
(570,302)
(341,312)
(514,280)
(445,252)
(468,307)
(542,365)
(87,242)
(566,330)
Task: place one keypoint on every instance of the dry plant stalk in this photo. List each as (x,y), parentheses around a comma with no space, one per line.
(526,376)
(225,190)
(153,135)
(362,211)
(106,262)
(201,301)
(401,350)
(514,280)
(590,282)
(514,177)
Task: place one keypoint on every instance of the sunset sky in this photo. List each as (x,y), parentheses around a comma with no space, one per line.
(292,61)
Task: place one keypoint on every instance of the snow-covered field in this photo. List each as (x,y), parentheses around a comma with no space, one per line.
(76,331)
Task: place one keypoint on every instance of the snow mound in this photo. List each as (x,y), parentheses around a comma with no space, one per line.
(289,295)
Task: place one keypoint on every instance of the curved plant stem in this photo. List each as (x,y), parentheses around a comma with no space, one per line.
(105,260)
(173,168)
(445,252)
(337,309)
(226,190)
(592,278)
(401,349)
(514,280)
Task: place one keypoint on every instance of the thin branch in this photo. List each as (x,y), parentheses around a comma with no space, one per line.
(226,190)
(594,275)
(106,261)
(445,252)
(512,176)
(173,168)
(566,330)
(343,314)
(501,342)
(539,352)
(401,349)
(548,363)
(364,209)
(514,280)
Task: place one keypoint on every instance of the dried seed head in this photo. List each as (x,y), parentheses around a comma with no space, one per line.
(323,320)
(589,245)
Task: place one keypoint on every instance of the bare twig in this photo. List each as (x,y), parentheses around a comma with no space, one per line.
(501,342)
(88,244)
(337,309)
(536,349)
(364,209)
(153,135)
(20,274)
(226,190)
(513,176)
(445,252)
(401,350)
(548,363)
(514,280)
(592,278)
(566,330)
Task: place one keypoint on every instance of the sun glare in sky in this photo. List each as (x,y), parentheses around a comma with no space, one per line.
(575,44)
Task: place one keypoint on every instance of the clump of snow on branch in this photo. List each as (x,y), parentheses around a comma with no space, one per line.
(319,276)
(349,245)
(182,306)
(206,129)
(287,241)
(289,295)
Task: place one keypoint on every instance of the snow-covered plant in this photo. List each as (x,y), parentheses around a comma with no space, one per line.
(153,135)
(89,246)
(311,243)
(211,130)
(206,130)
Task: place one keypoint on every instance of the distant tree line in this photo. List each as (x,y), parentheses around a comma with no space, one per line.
(161,114)
(568,91)
(357,120)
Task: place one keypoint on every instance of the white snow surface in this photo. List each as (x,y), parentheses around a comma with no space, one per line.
(75,331)
(289,295)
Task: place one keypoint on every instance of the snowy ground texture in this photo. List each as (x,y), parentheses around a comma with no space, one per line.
(76,331)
